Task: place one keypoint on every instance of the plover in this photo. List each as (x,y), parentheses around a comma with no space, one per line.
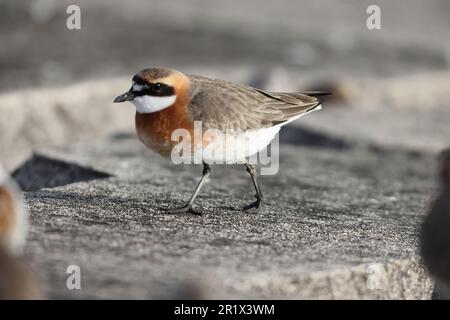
(13,216)
(435,236)
(16,280)
(167,100)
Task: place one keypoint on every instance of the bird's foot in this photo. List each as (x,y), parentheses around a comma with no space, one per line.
(257,205)
(187,208)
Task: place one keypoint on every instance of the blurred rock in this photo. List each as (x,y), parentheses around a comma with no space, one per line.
(425,91)
(34,118)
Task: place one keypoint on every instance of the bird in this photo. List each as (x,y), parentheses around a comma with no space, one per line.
(167,100)
(16,279)
(13,215)
(435,238)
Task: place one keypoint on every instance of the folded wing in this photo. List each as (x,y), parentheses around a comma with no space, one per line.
(225,105)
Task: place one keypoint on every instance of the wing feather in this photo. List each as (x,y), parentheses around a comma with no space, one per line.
(225,105)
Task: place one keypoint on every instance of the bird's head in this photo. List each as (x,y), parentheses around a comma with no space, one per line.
(155,89)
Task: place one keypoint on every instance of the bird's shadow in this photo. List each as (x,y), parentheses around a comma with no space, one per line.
(295,135)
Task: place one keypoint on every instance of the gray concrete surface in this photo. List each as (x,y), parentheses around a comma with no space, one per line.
(339,223)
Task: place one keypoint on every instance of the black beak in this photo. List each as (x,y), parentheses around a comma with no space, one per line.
(127,96)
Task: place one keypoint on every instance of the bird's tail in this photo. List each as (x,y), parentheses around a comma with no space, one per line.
(317,93)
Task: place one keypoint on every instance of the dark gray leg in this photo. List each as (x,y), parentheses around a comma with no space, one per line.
(187,208)
(259,197)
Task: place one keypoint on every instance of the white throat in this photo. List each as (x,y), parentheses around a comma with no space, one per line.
(150,104)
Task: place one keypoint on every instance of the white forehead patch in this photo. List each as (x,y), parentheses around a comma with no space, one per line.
(137,87)
(149,104)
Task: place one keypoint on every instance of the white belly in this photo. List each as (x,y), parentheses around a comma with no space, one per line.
(235,148)
(232,147)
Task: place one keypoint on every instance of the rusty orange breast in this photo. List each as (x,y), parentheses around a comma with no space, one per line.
(7,214)
(155,129)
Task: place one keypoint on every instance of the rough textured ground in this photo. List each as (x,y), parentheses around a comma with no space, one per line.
(339,223)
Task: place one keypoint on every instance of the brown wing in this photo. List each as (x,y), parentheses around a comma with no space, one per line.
(225,105)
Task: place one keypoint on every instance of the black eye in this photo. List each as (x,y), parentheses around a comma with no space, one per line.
(157,87)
